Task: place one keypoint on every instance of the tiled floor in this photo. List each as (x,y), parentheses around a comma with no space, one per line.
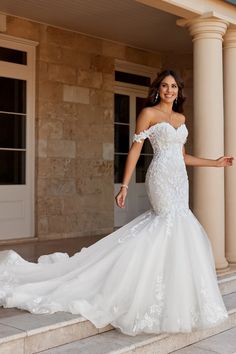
(32,250)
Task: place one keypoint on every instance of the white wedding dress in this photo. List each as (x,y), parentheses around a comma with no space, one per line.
(155,274)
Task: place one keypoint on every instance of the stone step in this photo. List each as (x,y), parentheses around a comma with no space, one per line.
(22,332)
(25,333)
(227,283)
(114,342)
(222,343)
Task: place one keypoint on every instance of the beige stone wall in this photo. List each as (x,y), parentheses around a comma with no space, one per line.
(74,127)
(74,131)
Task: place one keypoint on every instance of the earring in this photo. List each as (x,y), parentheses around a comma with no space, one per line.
(176,100)
(156,97)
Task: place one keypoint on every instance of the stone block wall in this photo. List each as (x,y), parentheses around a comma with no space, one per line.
(74,127)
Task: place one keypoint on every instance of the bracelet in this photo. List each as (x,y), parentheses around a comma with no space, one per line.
(124,186)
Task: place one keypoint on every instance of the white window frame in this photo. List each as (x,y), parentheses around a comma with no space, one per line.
(27,72)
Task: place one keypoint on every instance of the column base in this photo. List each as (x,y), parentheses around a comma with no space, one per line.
(231,258)
(222,267)
(223,271)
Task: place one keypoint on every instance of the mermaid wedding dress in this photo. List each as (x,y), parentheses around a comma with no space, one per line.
(155,274)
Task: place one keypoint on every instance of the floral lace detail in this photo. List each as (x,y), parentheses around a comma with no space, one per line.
(151,319)
(136,228)
(213,312)
(166,179)
(159,294)
(141,136)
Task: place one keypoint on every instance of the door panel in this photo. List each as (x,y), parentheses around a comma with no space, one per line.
(16,140)
(128,105)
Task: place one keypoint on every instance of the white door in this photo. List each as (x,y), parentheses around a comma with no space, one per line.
(17,69)
(128,104)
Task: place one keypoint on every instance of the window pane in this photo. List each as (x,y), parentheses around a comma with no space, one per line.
(132,78)
(119,166)
(121,138)
(12,169)
(147,147)
(12,131)
(13,56)
(141,168)
(121,108)
(140,104)
(12,95)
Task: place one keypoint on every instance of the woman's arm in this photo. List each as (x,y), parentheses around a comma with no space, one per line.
(143,123)
(223,161)
(131,161)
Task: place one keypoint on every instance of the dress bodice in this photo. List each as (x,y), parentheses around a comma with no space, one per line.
(163,136)
(166,178)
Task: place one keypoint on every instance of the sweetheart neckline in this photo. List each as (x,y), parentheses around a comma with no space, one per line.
(164,122)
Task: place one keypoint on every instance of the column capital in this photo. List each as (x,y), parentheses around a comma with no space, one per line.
(230,38)
(205,27)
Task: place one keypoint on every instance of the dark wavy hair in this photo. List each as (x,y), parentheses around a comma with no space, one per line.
(154,89)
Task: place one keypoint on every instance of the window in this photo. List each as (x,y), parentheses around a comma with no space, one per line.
(146,153)
(122,132)
(132,78)
(12,130)
(13,56)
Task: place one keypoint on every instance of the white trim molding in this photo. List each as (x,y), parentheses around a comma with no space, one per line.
(133,68)
(16,40)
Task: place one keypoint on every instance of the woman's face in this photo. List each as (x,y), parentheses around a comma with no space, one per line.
(168,89)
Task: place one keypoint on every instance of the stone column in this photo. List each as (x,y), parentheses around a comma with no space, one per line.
(208,182)
(230,141)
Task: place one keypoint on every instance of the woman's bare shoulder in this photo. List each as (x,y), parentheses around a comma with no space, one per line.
(151,114)
(148,111)
(144,119)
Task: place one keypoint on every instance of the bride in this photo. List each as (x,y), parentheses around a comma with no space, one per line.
(155,274)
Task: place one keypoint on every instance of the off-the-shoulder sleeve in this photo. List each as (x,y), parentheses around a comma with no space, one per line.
(141,136)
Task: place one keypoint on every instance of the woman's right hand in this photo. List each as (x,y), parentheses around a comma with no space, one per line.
(121,196)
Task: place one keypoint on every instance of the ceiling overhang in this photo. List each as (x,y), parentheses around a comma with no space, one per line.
(126,21)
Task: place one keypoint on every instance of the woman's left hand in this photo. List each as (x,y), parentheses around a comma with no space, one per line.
(224,161)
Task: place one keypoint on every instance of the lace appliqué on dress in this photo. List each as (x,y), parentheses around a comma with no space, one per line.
(166,178)
(152,318)
(212,312)
(141,136)
(136,228)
